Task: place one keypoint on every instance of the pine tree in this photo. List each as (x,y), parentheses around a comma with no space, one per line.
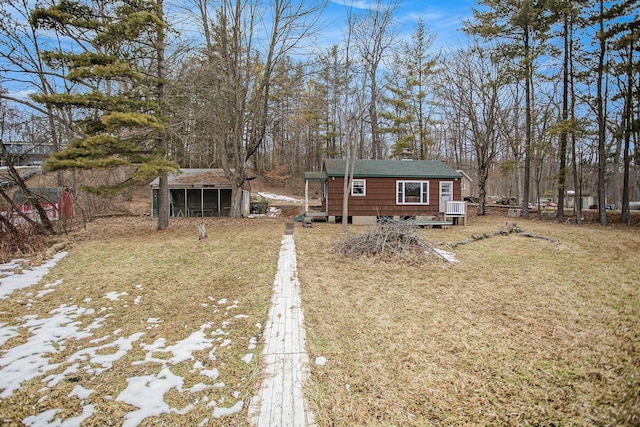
(624,35)
(522,28)
(421,66)
(115,65)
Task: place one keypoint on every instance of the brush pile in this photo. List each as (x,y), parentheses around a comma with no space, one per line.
(397,240)
(18,241)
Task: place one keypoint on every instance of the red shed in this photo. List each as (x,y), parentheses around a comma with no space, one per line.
(57,201)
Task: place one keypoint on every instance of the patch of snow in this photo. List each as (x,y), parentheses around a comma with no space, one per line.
(247,358)
(7,333)
(46,418)
(47,337)
(43,293)
(54,380)
(147,393)
(273,196)
(81,392)
(113,296)
(199,387)
(182,349)
(223,412)
(211,373)
(321,361)
(253,342)
(28,277)
(122,344)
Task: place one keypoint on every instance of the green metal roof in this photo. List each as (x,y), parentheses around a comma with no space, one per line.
(315,176)
(393,169)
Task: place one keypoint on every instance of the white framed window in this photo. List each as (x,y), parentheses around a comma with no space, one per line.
(412,192)
(359,187)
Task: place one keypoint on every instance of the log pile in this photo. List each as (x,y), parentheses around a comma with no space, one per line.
(509,228)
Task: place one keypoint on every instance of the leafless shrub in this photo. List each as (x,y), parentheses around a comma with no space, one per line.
(19,241)
(397,240)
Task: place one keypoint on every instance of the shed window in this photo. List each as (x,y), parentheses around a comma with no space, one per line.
(359,187)
(412,192)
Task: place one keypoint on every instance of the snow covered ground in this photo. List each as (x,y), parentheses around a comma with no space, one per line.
(47,335)
(272,196)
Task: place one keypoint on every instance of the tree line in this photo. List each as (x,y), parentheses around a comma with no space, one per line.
(541,98)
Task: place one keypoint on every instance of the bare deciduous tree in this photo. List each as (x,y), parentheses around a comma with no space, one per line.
(246,44)
(474,85)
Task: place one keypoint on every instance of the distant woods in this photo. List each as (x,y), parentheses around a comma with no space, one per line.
(541,99)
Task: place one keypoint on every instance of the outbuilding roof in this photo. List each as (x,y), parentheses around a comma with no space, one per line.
(393,169)
(48,194)
(315,176)
(196,178)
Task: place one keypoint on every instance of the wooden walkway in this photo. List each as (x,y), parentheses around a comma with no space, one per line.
(280,401)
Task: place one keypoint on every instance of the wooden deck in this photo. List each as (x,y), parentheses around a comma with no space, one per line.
(313,215)
(430,223)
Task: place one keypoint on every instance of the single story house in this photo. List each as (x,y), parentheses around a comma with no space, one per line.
(56,201)
(198,193)
(420,189)
(586,200)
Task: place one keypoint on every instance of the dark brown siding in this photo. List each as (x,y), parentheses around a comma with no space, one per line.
(380,199)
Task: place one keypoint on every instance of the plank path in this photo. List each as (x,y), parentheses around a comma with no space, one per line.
(280,401)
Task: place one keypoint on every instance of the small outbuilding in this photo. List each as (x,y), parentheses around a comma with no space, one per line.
(466,183)
(56,201)
(198,193)
(424,190)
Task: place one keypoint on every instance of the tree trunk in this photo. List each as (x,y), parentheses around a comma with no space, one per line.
(163,187)
(601,120)
(528,131)
(562,173)
(627,126)
(482,186)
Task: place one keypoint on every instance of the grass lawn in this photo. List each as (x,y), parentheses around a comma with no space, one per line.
(129,300)
(520,331)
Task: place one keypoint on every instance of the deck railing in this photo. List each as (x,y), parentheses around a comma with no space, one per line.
(456,209)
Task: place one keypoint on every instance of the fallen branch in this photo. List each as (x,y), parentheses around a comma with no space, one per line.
(510,227)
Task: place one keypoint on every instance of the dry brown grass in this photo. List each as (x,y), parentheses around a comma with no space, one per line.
(522,331)
(178,279)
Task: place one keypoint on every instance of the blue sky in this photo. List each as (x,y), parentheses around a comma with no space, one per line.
(441,17)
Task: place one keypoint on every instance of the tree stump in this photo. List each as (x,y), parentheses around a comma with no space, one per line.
(202,232)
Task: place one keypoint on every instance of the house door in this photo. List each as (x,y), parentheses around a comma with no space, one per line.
(446,194)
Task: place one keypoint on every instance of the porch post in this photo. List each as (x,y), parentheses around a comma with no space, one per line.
(306,195)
